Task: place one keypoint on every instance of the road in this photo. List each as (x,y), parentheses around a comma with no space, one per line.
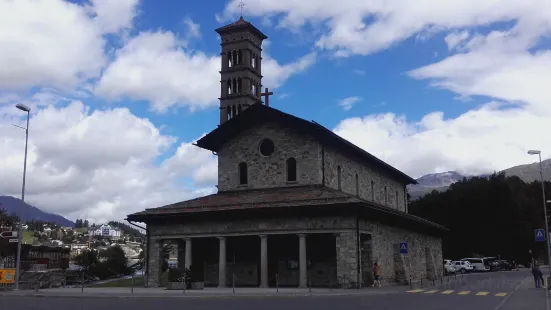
(494,291)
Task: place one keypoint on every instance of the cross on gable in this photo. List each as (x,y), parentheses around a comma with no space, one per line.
(241,5)
(267,94)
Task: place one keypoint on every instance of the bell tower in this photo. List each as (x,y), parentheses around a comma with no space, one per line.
(241,74)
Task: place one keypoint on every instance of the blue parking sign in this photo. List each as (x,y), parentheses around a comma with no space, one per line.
(540,235)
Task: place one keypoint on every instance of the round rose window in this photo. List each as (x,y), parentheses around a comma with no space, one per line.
(266,147)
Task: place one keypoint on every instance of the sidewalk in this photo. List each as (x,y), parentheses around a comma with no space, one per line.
(140,292)
(526,296)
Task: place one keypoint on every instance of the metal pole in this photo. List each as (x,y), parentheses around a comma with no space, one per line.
(545,215)
(20,231)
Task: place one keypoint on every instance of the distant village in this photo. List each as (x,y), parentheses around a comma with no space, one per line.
(54,238)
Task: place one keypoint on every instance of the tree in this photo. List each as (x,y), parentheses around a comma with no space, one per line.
(493,216)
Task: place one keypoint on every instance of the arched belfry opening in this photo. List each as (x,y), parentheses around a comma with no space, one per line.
(241,67)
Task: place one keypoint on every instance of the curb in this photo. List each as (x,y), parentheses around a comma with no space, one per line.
(79,295)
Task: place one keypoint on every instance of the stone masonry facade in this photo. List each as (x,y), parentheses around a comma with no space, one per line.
(267,172)
(425,252)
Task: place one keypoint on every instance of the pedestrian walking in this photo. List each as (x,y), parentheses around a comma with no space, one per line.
(377,275)
(538,275)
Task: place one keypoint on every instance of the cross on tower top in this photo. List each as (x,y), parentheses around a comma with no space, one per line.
(267,94)
(241,5)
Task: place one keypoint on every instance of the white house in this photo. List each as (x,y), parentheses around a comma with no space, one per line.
(105,231)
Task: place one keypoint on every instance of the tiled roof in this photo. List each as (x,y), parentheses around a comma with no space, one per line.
(256,198)
(283,197)
(241,23)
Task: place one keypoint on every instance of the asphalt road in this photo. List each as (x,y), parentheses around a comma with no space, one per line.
(494,291)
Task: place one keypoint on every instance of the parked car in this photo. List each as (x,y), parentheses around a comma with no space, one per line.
(504,265)
(477,263)
(449,267)
(463,266)
(491,263)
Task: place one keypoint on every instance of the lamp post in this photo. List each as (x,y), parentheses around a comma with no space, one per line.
(23,108)
(537,152)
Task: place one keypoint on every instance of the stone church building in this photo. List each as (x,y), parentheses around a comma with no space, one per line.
(296,203)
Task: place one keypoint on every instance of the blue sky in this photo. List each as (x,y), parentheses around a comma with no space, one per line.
(120,89)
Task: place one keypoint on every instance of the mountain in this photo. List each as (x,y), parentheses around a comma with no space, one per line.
(441,181)
(13,205)
(531,172)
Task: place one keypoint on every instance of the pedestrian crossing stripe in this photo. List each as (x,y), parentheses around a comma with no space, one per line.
(449,292)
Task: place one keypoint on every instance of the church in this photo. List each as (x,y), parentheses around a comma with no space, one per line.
(297,205)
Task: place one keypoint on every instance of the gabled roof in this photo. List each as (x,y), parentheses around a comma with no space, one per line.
(241,24)
(258,114)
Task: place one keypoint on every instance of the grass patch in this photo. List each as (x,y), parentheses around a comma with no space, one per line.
(28,237)
(138,282)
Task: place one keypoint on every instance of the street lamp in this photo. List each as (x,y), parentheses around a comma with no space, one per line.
(537,152)
(23,108)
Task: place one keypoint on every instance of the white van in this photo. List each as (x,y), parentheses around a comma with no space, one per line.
(478,264)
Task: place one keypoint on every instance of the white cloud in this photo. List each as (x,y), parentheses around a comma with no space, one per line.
(347,32)
(97,164)
(456,38)
(193,29)
(156,66)
(56,43)
(113,16)
(478,141)
(347,103)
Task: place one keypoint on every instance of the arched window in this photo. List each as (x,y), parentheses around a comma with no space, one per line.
(253,61)
(234,56)
(357,185)
(228,111)
(243,177)
(239,57)
(372,191)
(291,169)
(396,199)
(234,86)
(233,111)
(239,85)
(228,55)
(386,196)
(339,177)
(239,109)
(229,87)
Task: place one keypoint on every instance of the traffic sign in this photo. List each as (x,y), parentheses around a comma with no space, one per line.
(8,234)
(403,248)
(12,240)
(540,235)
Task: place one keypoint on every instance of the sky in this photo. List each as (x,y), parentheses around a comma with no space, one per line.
(119,90)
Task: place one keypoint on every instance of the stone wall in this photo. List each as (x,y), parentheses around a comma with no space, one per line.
(270,171)
(350,167)
(153,263)
(347,259)
(385,243)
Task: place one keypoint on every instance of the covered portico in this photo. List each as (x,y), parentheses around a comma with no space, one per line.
(303,236)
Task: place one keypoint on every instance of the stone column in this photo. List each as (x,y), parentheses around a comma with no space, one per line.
(263,261)
(188,253)
(222,263)
(181,253)
(303,279)
(154,262)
